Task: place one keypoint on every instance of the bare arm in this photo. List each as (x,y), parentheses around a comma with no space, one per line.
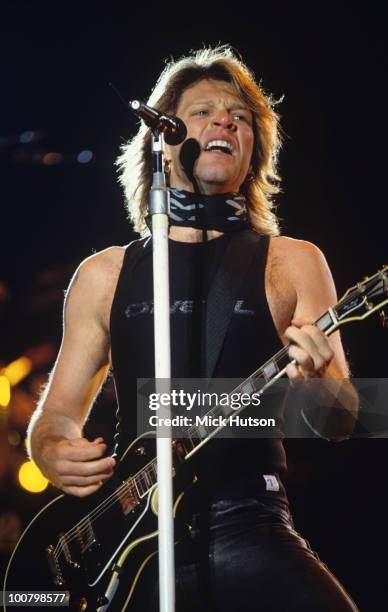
(316,355)
(56,442)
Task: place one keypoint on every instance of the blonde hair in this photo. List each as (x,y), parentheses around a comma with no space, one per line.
(260,186)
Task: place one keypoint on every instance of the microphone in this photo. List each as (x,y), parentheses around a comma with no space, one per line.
(188,155)
(174,129)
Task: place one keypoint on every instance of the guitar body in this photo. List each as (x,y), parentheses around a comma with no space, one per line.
(74,544)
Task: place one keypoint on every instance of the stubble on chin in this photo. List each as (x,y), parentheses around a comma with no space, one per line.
(215,177)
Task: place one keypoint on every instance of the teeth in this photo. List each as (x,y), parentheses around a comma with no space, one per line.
(219,143)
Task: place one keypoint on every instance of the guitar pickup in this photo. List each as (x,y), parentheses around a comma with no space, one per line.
(85,535)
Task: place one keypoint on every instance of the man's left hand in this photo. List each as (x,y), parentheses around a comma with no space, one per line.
(309,348)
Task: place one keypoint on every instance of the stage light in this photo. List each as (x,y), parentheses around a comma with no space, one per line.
(84,157)
(5,392)
(17,370)
(27,136)
(31,478)
(52,159)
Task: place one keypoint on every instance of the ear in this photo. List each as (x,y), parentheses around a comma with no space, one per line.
(167,166)
(167,152)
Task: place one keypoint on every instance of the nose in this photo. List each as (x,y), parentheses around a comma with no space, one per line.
(223,119)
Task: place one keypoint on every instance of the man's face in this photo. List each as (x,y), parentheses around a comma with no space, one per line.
(221,122)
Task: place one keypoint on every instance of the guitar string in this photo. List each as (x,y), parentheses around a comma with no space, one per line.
(259,372)
(119,494)
(122,491)
(79,529)
(65,540)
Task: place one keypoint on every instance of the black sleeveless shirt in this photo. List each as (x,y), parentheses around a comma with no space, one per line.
(250,340)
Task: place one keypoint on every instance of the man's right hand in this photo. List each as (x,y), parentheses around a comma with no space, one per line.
(78,466)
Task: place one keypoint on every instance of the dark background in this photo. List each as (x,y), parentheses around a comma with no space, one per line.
(329,61)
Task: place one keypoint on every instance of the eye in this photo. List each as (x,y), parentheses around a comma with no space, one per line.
(240,117)
(202,112)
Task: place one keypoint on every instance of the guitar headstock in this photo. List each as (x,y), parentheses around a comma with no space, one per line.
(366,297)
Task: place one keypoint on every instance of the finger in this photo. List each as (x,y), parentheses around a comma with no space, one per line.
(83,481)
(299,322)
(79,441)
(73,450)
(293,372)
(301,337)
(304,362)
(86,468)
(84,442)
(319,339)
(306,339)
(82,491)
(321,342)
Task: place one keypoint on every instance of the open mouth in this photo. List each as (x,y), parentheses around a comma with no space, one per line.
(221,146)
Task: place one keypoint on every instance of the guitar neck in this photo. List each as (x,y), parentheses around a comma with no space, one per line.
(258,382)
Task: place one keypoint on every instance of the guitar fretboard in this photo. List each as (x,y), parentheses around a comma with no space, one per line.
(258,382)
(145,478)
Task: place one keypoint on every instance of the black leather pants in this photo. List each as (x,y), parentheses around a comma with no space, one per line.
(244,554)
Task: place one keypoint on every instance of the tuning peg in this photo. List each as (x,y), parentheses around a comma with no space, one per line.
(384,319)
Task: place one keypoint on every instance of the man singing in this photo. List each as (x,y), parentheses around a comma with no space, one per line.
(241,551)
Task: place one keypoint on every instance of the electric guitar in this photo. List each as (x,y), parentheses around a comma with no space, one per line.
(82,546)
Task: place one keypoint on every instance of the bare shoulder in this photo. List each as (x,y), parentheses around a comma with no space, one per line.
(99,270)
(298,258)
(305,267)
(286,246)
(108,261)
(94,283)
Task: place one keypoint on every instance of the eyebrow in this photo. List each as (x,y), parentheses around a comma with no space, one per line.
(234,106)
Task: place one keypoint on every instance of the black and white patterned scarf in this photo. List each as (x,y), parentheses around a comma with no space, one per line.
(224,212)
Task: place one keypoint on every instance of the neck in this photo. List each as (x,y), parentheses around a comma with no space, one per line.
(205,188)
(191,234)
(197,218)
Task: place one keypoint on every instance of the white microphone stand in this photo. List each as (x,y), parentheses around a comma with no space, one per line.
(159,209)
